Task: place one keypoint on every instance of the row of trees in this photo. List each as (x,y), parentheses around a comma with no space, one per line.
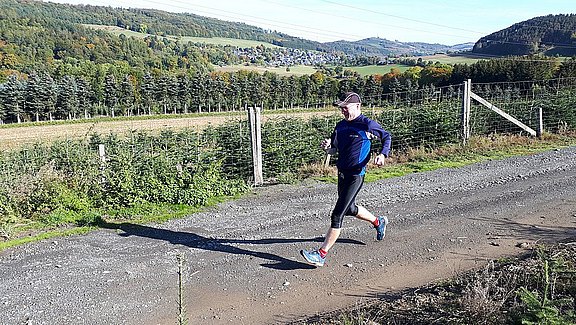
(40,97)
(120,90)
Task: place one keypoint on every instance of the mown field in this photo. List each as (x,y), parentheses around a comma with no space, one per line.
(300,70)
(297,70)
(14,135)
(450,58)
(378,69)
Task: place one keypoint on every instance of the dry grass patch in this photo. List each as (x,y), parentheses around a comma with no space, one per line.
(497,294)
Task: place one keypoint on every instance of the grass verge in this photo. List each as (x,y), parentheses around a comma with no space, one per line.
(15,234)
(479,149)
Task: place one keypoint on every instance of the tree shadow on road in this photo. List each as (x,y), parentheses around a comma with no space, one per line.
(545,233)
(221,245)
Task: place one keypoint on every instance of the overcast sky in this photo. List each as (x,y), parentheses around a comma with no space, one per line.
(434,21)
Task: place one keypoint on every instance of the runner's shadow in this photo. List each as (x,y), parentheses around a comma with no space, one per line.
(220,245)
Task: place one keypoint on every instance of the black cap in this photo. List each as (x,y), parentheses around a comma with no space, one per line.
(347,98)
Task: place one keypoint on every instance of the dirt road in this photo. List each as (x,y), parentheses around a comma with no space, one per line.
(242,264)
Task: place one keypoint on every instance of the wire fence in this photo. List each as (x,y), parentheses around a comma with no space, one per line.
(188,165)
(421,118)
(524,99)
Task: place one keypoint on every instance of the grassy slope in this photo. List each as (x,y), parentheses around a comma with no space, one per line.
(185,39)
(377,69)
(450,59)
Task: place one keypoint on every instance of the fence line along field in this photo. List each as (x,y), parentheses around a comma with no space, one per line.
(12,137)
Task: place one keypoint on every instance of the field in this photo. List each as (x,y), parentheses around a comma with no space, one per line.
(300,70)
(297,70)
(442,58)
(12,136)
(450,59)
(185,39)
(226,41)
(377,69)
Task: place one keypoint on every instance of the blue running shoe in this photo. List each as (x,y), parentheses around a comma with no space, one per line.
(381,229)
(313,257)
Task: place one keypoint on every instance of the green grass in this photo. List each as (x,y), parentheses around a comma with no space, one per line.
(397,170)
(225,41)
(377,69)
(138,214)
(383,69)
(442,58)
(44,235)
(116,30)
(185,39)
(297,70)
(450,59)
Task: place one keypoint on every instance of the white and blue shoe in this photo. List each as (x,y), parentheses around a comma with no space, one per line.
(313,257)
(381,229)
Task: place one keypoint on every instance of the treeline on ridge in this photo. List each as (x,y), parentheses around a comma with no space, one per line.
(550,35)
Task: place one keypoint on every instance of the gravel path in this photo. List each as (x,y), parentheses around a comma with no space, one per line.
(242,262)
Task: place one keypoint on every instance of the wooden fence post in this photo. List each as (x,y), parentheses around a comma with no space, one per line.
(102,152)
(540,129)
(102,155)
(327,160)
(256,140)
(466,111)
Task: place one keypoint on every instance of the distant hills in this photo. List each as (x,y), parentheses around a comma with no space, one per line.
(162,23)
(383,47)
(548,35)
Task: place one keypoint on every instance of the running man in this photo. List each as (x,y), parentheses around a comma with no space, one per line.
(352,140)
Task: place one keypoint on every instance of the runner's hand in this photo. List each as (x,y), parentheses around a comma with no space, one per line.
(325,144)
(380,160)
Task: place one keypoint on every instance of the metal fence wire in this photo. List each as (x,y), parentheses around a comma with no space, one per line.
(429,118)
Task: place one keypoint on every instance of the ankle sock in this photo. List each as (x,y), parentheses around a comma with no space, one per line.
(322,252)
(376,222)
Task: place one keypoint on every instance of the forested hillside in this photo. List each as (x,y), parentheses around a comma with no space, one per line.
(161,23)
(155,22)
(549,35)
(53,67)
(379,47)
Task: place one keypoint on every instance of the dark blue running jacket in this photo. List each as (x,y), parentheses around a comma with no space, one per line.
(352,141)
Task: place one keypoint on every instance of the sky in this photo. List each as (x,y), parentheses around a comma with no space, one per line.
(434,21)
